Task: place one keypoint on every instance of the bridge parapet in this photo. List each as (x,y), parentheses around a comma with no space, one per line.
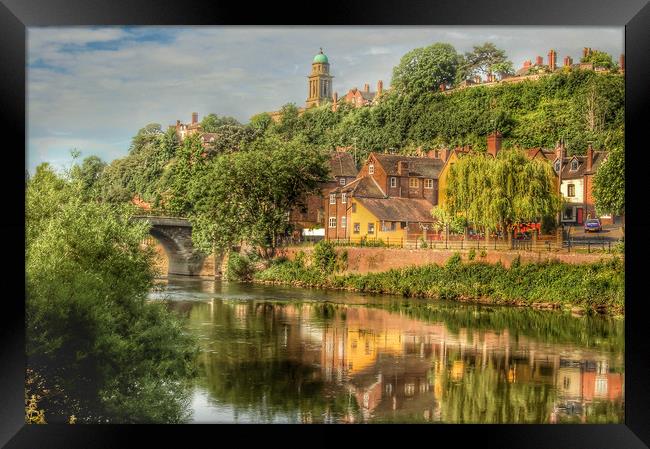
(157,220)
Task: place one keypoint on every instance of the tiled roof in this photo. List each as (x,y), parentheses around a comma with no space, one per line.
(548,154)
(342,164)
(399,209)
(365,187)
(567,173)
(418,166)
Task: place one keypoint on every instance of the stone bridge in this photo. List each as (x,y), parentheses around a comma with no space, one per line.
(175,236)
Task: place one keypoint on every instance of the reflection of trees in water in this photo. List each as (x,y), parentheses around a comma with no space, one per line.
(256,362)
(269,360)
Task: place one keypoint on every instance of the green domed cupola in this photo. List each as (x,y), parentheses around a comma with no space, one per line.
(321,58)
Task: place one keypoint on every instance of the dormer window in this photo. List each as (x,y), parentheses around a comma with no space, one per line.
(557,165)
(371,169)
(574,165)
(342,181)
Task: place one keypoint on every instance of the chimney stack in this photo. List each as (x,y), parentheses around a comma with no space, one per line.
(494,143)
(195,118)
(621,62)
(380,87)
(527,64)
(586,51)
(590,157)
(539,60)
(568,61)
(366,87)
(443,154)
(551,59)
(559,151)
(335,101)
(402,168)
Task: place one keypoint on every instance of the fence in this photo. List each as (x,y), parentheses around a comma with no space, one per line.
(541,244)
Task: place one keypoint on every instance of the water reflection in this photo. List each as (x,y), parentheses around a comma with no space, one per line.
(291,355)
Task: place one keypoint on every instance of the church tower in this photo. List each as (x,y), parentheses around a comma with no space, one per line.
(320,81)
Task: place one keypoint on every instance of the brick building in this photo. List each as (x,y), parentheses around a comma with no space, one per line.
(391,198)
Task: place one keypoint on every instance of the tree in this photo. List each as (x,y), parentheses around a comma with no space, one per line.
(599,59)
(289,124)
(609,184)
(496,193)
(88,174)
(486,59)
(425,69)
(96,348)
(212,122)
(248,195)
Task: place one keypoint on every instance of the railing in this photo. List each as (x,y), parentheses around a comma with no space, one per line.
(541,244)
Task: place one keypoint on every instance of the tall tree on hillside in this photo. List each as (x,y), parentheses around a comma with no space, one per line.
(600,59)
(486,59)
(212,122)
(425,69)
(609,184)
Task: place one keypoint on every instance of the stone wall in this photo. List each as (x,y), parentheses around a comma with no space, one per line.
(369,260)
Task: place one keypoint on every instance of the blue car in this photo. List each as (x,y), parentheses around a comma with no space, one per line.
(593,225)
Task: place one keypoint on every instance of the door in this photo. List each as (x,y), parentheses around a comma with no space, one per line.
(579,210)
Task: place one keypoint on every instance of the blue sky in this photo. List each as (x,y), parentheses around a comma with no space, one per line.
(92,88)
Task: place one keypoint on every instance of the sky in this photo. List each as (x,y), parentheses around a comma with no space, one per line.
(93,88)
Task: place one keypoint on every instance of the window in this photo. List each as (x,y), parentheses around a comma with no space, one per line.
(414,183)
(571,190)
(332,222)
(342,181)
(393,182)
(574,165)
(371,169)
(387,226)
(344,222)
(428,183)
(332,198)
(371,228)
(357,228)
(344,198)
(568,213)
(557,165)
(354,207)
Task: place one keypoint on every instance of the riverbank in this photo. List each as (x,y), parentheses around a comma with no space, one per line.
(593,287)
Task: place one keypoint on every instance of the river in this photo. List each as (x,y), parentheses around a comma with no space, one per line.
(290,355)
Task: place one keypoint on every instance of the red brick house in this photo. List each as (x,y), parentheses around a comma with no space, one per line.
(309,214)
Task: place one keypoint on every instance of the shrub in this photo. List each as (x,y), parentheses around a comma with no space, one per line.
(483,253)
(324,256)
(239,267)
(472,254)
(454,261)
(516,263)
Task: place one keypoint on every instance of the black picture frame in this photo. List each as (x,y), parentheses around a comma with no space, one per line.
(16,15)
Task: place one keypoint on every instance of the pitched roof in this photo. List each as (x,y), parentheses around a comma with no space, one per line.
(365,187)
(567,173)
(418,166)
(399,209)
(533,152)
(342,164)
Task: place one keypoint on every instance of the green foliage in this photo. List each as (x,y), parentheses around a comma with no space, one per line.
(87,315)
(609,184)
(472,254)
(247,195)
(87,175)
(423,69)
(600,59)
(598,285)
(485,59)
(324,256)
(239,267)
(211,123)
(497,192)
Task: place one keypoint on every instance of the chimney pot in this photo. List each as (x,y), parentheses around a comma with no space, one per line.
(539,60)
(494,143)
(380,87)
(551,59)
(590,157)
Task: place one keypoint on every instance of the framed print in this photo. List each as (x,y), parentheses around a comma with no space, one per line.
(242,215)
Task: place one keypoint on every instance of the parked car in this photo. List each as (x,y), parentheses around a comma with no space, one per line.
(593,225)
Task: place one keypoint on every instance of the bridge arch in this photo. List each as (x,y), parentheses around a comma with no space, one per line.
(175,236)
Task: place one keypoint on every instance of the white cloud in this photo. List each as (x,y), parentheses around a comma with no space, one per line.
(91,87)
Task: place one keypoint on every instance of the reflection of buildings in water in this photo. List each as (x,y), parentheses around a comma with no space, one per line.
(391,363)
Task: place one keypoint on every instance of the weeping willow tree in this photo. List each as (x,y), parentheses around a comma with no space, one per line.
(498,193)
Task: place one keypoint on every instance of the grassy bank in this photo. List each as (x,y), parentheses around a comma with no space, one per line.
(597,286)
